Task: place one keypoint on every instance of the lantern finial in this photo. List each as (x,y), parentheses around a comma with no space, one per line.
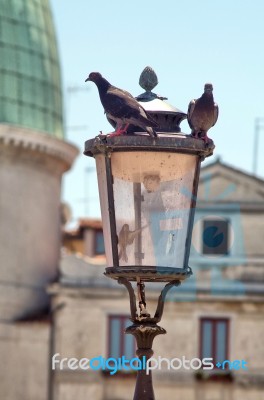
(148,79)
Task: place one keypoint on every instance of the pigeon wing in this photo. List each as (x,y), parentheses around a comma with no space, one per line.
(120,105)
(216,113)
(190,112)
(147,118)
(117,91)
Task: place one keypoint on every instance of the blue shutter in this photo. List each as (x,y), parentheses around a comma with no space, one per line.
(129,342)
(115,328)
(207,338)
(221,339)
(120,344)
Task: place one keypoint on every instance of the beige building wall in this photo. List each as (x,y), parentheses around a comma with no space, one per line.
(88,338)
(24,371)
(32,164)
(81,326)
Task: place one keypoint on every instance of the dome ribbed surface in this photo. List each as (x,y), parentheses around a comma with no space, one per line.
(30,82)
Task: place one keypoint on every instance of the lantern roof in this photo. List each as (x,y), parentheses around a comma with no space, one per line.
(167,116)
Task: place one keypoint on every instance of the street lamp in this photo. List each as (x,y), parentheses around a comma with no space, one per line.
(148,188)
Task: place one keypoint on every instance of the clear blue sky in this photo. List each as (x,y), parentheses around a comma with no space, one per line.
(187,43)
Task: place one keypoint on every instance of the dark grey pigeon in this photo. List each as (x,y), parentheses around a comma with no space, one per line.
(203,113)
(121,107)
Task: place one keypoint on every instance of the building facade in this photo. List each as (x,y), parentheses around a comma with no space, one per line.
(217,313)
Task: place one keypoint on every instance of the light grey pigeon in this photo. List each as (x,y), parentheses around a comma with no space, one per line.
(203,113)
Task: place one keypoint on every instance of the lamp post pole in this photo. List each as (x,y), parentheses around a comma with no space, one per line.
(145,329)
(144,334)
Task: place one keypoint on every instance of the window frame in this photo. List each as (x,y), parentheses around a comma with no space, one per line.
(96,232)
(214,321)
(123,318)
(212,220)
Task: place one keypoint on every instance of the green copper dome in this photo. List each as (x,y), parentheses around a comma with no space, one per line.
(30,82)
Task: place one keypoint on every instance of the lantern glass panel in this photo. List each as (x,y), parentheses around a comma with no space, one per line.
(153,193)
(104,203)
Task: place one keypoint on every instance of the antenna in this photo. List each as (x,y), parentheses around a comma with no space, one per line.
(73,90)
(87,172)
(259,124)
(87,198)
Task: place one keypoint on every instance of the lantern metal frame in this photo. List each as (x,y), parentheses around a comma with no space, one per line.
(144,327)
(165,143)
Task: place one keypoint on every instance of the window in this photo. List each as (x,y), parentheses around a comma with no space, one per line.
(120,344)
(99,248)
(214,334)
(215,237)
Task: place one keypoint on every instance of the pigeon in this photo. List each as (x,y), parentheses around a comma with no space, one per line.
(121,107)
(203,113)
(126,238)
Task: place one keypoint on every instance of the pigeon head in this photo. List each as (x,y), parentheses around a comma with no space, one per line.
(94,77)
(208,88)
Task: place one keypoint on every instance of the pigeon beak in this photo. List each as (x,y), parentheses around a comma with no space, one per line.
(88,79)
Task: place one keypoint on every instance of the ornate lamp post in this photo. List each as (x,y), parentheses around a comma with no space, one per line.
(148,189)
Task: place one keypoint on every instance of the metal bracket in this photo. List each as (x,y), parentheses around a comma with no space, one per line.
(142,301)
(132,297)
(162,297)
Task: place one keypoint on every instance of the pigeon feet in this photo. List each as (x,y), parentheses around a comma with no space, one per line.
(206,139)
(201,135)
(119,131)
